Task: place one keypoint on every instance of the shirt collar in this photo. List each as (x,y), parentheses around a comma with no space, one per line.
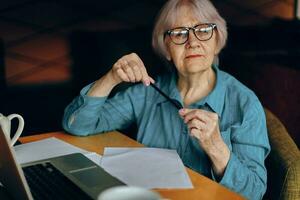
(215,99)
(168,84)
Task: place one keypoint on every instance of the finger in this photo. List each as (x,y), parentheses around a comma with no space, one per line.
(196,133)
(198,114)
(207,116)
(119,73)
(128,71)
(213,116)
(122,75)
(151,80)
(184,111)
(195,123)
(146,78)
(136,70)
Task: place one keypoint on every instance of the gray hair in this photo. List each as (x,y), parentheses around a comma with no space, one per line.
(204,10)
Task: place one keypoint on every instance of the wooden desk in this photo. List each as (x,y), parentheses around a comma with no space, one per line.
(204,188)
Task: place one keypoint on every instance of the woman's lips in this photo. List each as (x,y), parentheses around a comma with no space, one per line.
(193,56)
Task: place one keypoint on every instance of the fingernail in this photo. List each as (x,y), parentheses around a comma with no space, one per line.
(181,111)
(147,82)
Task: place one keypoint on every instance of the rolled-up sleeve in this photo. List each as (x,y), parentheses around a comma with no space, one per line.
(87,115)
(245,172)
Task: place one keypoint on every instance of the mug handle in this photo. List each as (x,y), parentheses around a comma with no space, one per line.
(20,127)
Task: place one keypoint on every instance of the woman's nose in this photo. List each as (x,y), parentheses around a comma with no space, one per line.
(192,40)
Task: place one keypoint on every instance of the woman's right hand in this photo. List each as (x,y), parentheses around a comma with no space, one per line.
(130,68)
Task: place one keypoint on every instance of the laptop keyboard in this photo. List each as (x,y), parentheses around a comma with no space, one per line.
(46,182)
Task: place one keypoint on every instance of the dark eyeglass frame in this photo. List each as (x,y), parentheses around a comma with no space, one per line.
(169,32)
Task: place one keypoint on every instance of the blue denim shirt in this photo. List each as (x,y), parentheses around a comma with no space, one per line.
(241,119)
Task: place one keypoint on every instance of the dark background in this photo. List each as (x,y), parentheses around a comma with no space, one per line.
(50,49)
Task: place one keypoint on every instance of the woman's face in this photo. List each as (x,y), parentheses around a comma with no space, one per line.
(194,56)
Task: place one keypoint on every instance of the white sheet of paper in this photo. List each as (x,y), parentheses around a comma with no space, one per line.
(49,148)
(96,158)
(146,167)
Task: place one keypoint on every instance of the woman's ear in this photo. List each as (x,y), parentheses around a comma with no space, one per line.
(217,46)
(167,50)
(217,51)
(168,57)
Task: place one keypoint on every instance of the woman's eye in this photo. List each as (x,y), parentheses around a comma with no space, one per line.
(204,30)
(179,33)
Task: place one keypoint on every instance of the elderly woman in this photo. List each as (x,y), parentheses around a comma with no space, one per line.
(221,129)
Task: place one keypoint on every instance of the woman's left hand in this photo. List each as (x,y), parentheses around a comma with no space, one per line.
(204,125)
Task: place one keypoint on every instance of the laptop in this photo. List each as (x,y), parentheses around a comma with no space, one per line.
(65,177)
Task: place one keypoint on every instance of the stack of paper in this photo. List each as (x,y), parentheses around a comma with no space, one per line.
(146,167)
(49,148)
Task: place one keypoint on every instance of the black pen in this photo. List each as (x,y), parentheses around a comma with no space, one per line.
(175,103)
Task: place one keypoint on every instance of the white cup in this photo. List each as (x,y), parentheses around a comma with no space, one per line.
(128,193)
(5,123)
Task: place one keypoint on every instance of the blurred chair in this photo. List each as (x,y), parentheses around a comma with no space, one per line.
(283,163)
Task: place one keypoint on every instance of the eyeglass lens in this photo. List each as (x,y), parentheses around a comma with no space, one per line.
(203,32)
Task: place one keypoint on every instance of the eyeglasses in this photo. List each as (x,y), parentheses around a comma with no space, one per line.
(180,35)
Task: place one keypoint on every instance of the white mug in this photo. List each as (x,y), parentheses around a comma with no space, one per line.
(128,193)
(5,123)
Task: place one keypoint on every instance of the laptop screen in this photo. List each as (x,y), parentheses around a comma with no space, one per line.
(11,174)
